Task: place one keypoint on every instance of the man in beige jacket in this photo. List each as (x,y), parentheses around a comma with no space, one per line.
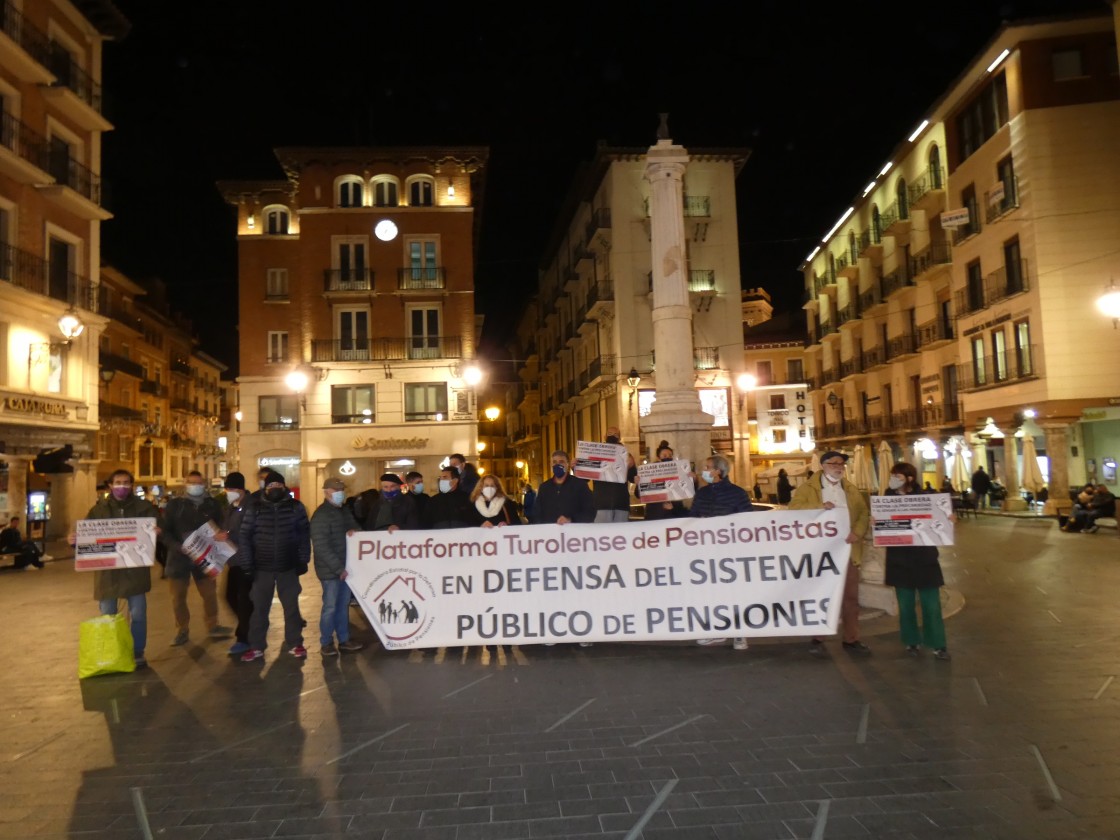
(826,490)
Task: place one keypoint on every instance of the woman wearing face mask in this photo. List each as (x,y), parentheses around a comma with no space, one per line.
(493,506)
(238,583)
(663,510)
(915,573)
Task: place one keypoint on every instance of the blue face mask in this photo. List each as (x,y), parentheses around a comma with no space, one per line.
(444,485)
(559,471)
(195,490)
(707,476)
(390,494)
(338,497)
(418,487)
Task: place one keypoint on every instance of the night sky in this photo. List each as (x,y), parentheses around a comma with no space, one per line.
(204,91)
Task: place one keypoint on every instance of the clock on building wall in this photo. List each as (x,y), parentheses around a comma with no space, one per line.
(385,230)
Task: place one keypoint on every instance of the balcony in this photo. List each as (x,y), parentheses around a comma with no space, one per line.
(74,91)
(932,333)
(850,367)
(823,330)
(600,224)
(1002,198)
(149,386)
(894,216)
(871,297)
(938,253)
(120,364)
(27,51)
(76,187)
(970,299)
(999,369)
(851,312)
(286,424)
(960,234)
(600,298)
(121,315)
(526,433)
(1010,279)
(898,279)
(705,358)
(693,206)
(180,367)
(928,190)
(873,358)
(385,349)
(829,376)
(701,280)
(347,280)
(23,155)
(421,279)
(869,239)
(121,412)
(901,345)
(907,420)
(185,406)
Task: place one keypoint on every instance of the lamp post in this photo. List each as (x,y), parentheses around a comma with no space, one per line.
(1108,303)
(746,383)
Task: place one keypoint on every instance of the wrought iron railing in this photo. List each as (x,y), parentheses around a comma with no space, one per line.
(347,280)
(933,331)
(69,74)
(706,358)
(1004,203)
(24,141)
(937,253)
(901,345)
(998,368)
(429,277)
(386,349)
(702,280)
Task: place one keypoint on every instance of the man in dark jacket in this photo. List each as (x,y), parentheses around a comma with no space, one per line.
(182,518)
(133,585)
(414,484)
(329,526)
(718,496)
(612,498)
(563,498)
(1103,503)
(275,550)
(981,485)
(451,507)
(12,542)
(468,473)
(238,583)
(388,508)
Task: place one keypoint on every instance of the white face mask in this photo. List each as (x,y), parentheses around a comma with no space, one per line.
(445,485)
(489,491)
(896,482)
(195,490)
(233,496)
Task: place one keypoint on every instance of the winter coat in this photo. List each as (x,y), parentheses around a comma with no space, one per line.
(181,518)
(112,584)
(913,566)
(453,509)
(275,537)
(231,524)
(329,525)
(405,510)
(785,490)
(721,499)
(809,497)
(572,499)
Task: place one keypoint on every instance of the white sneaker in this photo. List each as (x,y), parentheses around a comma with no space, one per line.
(711,642)
(740,643)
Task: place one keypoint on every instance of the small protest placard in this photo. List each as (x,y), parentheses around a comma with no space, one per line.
(912,519)
(600,461)
(665,481)
(207,552)
(114,544)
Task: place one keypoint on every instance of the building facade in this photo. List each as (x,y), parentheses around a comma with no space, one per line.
(951,309)
(357,327)
(50,234)
(586,340)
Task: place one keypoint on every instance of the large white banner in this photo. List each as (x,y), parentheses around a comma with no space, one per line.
(775,573)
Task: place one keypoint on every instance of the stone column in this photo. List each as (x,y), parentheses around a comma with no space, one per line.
(676,415)
(939,475)
(1011,475)
(1057,454)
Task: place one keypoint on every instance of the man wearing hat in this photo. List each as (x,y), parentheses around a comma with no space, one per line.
(826,490)
(238,583)
(388,509)
(329,526)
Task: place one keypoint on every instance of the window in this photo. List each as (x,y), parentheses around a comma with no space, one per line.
(999,355)
(421,191)
(779,435)
(278,414)
(795,370)
(125,448)
(423,264)
(277,347)
(352,404)
(350,192)
(1005,171)
(902,195)
(103,446)
(1024,364)
(276,284)
(426,401)
(764,372)
(936,176)
(979,369)
(353,334)
(423,332)
(975,290)
(982,117)
(350,264)
(1067,64)
(777,402)
(276,221)
(385,191)
(1013,266)
(968,202)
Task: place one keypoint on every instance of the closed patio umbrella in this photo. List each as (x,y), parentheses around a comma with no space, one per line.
(815,462)
(863,470)
(962,477)
(886,461)
(1032,474)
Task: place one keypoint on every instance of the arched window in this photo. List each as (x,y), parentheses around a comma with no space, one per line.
(876,225)
(276,218)
(936,179)
(421,191)
(385,190)
(853,249)
(903,202)
(348,189)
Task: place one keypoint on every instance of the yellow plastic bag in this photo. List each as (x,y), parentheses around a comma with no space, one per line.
(105,646)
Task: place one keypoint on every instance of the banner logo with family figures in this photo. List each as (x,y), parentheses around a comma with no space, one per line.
(396,603)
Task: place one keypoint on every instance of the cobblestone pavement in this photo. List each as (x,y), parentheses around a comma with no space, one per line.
(1016,737)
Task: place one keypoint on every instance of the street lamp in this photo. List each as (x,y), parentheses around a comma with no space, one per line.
(633,380)
(492,413)
(1109,303)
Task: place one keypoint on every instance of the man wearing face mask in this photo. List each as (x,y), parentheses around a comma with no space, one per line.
(826,490)
(387,507)
(238,584)
(414,484)
(329,526)
(182,517)
(276,550)
(612,499)
(451,508)
(563,498)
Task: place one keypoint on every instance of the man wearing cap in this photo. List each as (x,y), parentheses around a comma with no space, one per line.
(330,524)
(388,508)
(275,550)
(238,583)
(827,490)
(452,506)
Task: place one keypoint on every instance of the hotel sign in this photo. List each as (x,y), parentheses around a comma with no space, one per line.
(34,405)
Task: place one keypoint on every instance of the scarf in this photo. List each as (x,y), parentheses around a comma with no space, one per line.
(490,509)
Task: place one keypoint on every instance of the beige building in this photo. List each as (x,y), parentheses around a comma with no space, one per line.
(951,308)
(586,340)
(357,330)
(50,252)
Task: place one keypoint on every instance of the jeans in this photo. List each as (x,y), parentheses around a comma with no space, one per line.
(334,620)
(138,614)
(287,587)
